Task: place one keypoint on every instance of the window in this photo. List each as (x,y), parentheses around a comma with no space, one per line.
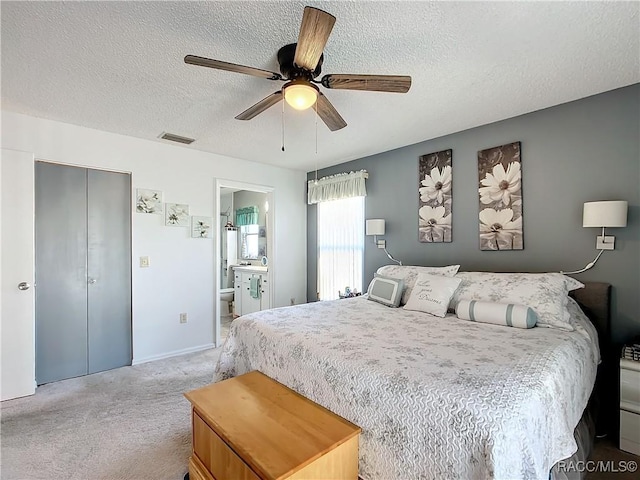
(249,241)
(340,246)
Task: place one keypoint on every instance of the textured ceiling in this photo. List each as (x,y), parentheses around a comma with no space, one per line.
(118,67)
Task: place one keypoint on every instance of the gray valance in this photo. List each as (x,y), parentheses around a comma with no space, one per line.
(336,187)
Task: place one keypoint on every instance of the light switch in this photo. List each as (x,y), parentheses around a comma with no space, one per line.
(145,262)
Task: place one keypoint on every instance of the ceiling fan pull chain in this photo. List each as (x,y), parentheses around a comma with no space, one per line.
(316,132)
(316,159)
(283,125)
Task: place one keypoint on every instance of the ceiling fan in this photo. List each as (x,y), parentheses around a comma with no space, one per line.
(300,63)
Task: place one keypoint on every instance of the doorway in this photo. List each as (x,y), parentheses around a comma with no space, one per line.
(225,215)
(83,271)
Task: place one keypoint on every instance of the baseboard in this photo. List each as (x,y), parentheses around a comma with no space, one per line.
(175,353)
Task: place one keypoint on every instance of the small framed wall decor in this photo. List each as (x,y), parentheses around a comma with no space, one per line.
(201,227)
(148,201)
(176,215)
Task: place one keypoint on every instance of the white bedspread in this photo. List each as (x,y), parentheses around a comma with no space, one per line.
(436,398)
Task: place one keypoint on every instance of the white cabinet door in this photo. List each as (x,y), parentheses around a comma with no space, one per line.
(237,296)
(265,303)
(249,304)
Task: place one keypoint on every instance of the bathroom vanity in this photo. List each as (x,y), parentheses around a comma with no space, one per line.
(252,293)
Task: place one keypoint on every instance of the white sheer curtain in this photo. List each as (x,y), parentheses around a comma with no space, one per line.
(340,236)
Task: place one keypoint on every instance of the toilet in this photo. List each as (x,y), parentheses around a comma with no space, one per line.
(226,295)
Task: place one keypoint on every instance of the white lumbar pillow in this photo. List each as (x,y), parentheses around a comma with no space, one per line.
(508,314)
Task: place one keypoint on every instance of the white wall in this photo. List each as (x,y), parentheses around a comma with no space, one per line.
(181,277)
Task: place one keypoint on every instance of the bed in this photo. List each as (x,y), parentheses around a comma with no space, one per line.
(435,397)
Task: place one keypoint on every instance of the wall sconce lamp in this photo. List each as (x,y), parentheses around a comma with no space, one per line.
(375,227)
(602,215)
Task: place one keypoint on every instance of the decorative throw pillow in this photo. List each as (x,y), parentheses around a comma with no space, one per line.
(572,283)
(409,273)
(432,293)
(545,293)
(385,290)
(507,314)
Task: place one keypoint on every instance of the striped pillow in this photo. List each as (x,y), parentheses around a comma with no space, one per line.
(385,290)
(409,273)
(508,314)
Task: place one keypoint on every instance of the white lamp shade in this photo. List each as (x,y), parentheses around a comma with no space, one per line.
(605,214)
(375,226)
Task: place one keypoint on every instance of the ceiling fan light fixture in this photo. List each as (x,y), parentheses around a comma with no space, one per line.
(300,94)
(300,63)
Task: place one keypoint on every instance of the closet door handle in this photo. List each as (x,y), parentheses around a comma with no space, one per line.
(91,281)
(23,286)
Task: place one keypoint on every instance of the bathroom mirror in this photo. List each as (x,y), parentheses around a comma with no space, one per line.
(253,242)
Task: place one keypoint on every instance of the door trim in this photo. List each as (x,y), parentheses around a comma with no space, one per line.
(80,165)
(217,254)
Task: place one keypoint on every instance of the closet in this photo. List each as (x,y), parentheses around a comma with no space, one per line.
(83,271)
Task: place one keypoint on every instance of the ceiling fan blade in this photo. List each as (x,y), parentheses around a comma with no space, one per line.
(261,106)
(329,114)
(231,67)
(314,32)
(373,83)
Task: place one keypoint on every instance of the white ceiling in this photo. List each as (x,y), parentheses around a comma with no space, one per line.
(118,67)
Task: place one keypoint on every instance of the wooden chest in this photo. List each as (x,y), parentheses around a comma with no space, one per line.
(252,427)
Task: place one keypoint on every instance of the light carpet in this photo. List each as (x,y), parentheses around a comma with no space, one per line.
(127,423)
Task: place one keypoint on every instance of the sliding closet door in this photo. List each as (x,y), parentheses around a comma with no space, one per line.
(61,265)
(109,270)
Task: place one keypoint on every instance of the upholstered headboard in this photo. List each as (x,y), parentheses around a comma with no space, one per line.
(595,301)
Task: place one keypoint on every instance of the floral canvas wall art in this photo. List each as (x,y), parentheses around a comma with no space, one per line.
(500,192)
(176,215)
(201,227)
(435,197)
(148,201)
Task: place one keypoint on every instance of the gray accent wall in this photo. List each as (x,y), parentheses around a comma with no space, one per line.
(581,151)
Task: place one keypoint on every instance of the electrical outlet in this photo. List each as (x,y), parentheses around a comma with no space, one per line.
(293,301)
(183,318)
(144,262)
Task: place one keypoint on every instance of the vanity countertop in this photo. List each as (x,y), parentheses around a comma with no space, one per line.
(250,268)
